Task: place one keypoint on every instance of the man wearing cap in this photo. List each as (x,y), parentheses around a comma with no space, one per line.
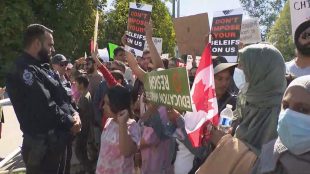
(300,66)
(59,64)
(223,72)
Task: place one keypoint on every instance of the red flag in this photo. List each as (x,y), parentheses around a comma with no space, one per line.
(205,109)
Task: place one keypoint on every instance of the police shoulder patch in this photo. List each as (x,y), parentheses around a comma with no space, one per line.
(28,77)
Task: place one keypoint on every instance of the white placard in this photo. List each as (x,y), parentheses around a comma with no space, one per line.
(250,32)
(104,54)
(158,42)
(300,12)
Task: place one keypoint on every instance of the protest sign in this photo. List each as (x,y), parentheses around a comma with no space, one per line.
(139,14)
(158,42)
(250,32)
(165,56)
(189,61)
(169,87)
(190,33)
(103,54)
(300,12)
(225,30)
(111,47)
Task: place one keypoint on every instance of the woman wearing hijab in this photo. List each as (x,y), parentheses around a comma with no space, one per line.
(261,78)
(290,152)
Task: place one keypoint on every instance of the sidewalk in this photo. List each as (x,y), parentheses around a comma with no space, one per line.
(11,134)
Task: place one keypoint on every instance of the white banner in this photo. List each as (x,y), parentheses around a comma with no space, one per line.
(300,12)
(158,42)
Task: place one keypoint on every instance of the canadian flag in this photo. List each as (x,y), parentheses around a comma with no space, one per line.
(205,110)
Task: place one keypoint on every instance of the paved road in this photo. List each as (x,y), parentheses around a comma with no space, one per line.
(11,134)
(11,140)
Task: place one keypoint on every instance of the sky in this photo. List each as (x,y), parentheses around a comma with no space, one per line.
(192,7)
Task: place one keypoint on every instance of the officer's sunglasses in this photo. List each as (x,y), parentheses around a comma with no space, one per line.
(63,64)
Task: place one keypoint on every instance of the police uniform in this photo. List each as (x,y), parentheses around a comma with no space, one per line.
(44,112)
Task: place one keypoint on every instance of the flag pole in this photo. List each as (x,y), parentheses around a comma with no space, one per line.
(96,30)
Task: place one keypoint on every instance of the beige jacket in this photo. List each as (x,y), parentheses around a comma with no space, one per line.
(231,156)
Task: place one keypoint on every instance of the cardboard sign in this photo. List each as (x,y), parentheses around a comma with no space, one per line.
(139,14)
(190,33)
(158,42)
(225,30)
(300,12)
(169,87)
(250,32)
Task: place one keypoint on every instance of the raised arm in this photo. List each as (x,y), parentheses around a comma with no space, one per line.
(111,81)
(133,63)
(156,60)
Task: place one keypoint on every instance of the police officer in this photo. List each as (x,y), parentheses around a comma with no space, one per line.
(46,117)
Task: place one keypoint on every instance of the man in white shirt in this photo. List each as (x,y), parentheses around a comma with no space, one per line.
(300,66)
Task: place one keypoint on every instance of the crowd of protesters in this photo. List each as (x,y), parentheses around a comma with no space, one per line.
(98,112)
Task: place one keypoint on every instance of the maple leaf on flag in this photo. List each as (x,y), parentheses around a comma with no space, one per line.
(200,98)
(205,112)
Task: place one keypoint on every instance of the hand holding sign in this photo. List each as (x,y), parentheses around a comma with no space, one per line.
(95,56)
(124,40)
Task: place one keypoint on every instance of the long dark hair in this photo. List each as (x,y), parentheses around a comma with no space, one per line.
(120,99)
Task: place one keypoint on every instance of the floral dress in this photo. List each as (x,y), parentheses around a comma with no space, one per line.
(110,160)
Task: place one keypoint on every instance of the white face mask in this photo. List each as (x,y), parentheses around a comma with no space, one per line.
(239,79)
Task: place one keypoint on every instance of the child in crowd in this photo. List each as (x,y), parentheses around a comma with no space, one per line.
(120,136)
(87,118)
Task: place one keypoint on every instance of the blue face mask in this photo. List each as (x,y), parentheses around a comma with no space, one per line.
(294,131)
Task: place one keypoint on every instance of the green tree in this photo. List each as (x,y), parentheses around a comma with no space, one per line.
(71,20)
(265,10)
(281,34)
(14,18)
(116,23)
